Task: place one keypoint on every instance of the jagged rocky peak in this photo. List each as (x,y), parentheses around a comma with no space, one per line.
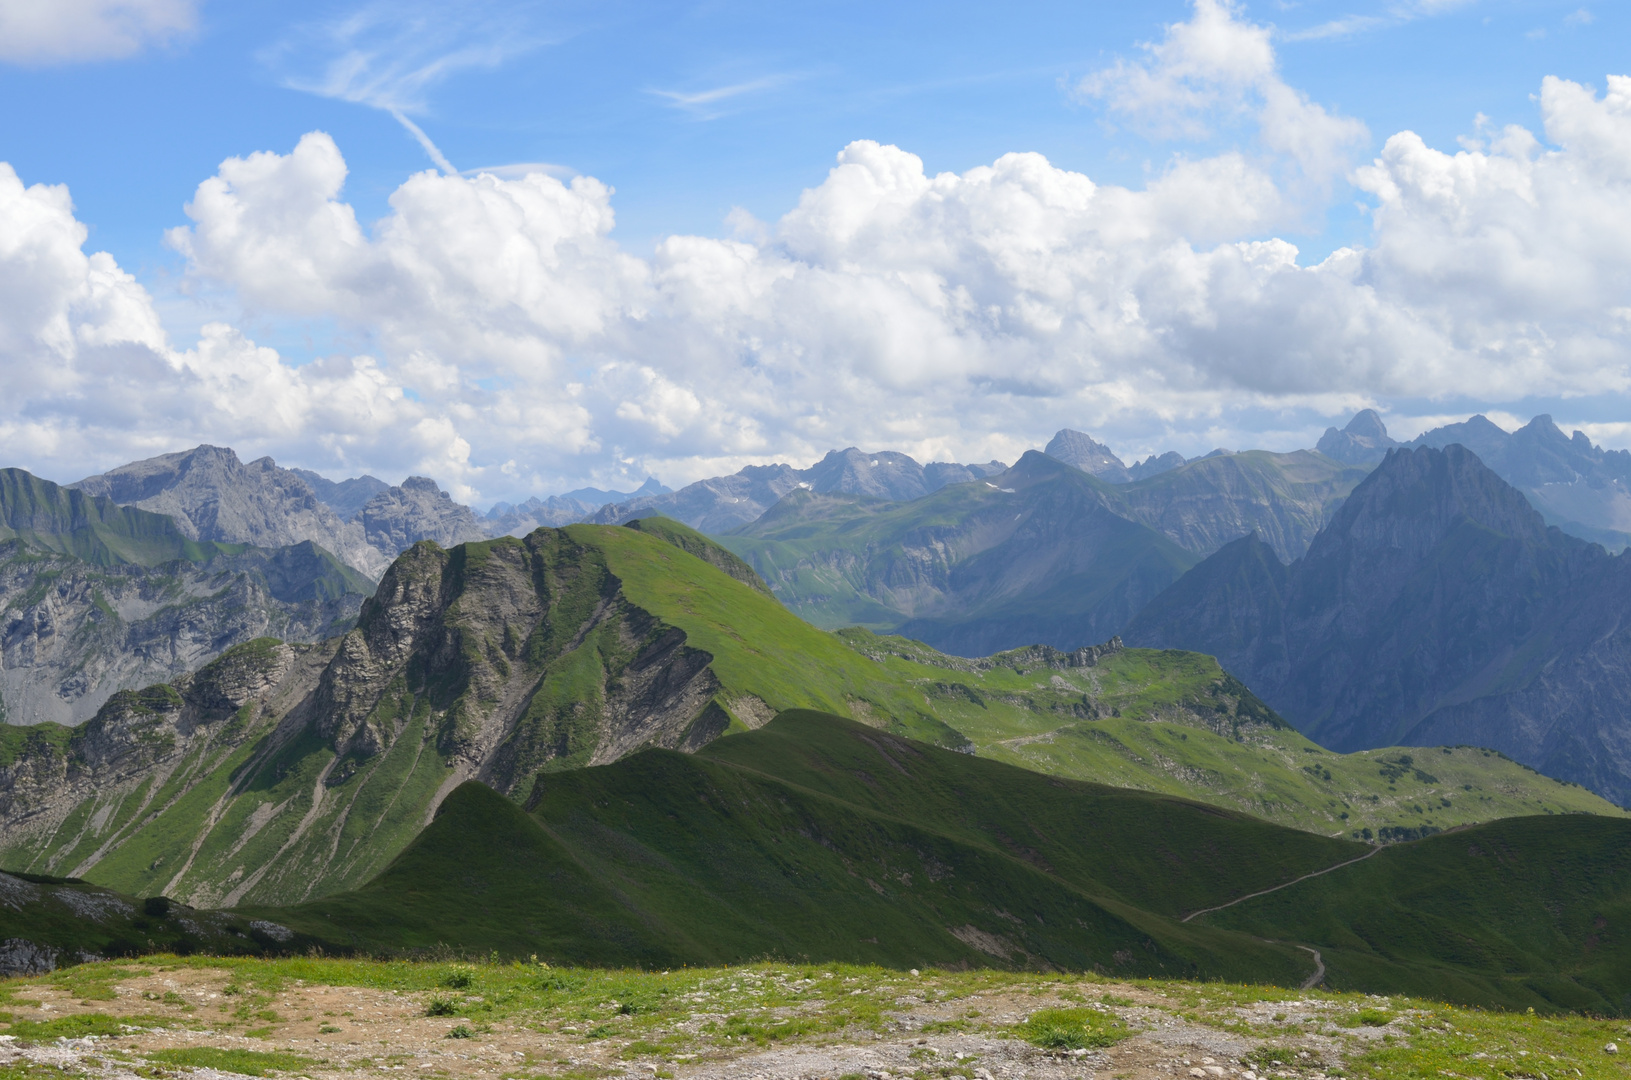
(1155,465)
(399,517)
(882,475)
(1364,441)
(1417,496)
(1082,451)
(212,495)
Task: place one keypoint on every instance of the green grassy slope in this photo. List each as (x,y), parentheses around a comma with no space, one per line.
(50,517)
(668,858)
(1524,911)
(1175,722)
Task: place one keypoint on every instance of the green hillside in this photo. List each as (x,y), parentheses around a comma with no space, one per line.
(65,921)
(822,838)
(50,517)
(819,839)
(1525,911)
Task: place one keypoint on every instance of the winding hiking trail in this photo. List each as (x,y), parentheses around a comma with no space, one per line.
(1319,968)
(1319,961)
(1277,888)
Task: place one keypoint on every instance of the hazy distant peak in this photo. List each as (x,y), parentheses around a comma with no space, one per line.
(1080,450)
(1367,424)
(1364,441)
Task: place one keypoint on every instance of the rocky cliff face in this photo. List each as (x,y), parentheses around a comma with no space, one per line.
(399,517)
(212,496)
(72,634)
(96,597)
(1437,607)
(280,772)
(1364,441)
(344,497)
(1284,498)
(1583,489)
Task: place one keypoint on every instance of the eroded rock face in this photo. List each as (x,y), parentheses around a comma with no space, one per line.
(399,517)
(72,633)
(281,772)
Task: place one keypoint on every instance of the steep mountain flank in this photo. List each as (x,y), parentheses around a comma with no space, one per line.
(1285,498)
(72,634)
(95,597)
(723,503)
(1032,555)
(1583,489)
(490,661)
(1529,911)
(211,495)
(1437,607)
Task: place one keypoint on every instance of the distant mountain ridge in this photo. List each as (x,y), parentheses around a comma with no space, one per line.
(505,519)
(1081,450)
(212,495)
(722,503)
(1030,555)
(1043,552)
(1437,607)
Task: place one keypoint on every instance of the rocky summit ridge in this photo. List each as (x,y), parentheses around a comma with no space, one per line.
(212,495)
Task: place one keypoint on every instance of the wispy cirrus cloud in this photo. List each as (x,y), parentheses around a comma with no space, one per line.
(1391,15)
(390,56)
(708,104)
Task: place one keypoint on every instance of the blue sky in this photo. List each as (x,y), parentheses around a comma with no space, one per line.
(697,113)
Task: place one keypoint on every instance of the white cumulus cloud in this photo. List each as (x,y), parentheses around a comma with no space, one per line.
(38,32)
(1218,67)
(515,345)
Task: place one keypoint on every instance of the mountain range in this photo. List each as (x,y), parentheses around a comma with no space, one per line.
(1042,552)
(1437,607)
(284,772)
(1581,488)
(211,495)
